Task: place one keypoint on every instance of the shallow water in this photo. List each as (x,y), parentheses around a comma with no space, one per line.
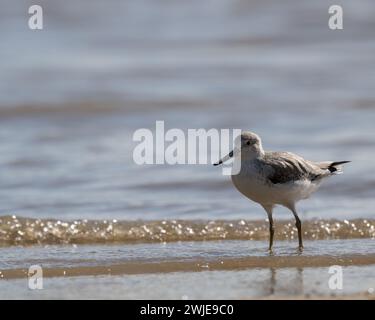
(246,284)
(191,270)
(69,256)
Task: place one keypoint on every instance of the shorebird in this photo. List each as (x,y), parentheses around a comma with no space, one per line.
(276,178)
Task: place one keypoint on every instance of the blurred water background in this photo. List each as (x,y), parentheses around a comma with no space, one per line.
(72,95)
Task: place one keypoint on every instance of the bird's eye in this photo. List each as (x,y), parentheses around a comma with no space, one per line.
(248,143)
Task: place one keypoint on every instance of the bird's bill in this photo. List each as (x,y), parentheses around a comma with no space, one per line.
(224,159)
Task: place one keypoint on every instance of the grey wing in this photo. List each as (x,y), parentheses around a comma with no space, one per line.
(283,167)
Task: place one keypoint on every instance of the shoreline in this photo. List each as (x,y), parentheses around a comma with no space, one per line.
(197,265)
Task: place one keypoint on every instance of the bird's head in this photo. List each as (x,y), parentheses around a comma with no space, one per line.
(248,145)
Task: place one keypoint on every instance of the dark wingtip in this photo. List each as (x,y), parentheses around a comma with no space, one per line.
(217,163)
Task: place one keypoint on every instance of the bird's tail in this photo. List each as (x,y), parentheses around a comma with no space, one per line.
(333,167)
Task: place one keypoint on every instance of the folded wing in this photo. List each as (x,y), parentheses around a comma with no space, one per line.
(284,167)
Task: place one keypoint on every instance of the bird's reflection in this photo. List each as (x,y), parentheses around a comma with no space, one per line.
(288,281)
(272,281)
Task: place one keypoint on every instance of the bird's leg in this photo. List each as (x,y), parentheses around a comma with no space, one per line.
(269,210)
(299,227)
(272,232)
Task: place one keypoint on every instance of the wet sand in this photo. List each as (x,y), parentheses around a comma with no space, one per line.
(142,267)
(257,283)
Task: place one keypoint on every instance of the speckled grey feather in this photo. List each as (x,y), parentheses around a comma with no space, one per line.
(283,167)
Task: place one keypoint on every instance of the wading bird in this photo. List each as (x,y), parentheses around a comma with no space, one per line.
(276,178)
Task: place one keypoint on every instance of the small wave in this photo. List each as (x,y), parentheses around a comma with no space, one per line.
(62,109)
(27,231)
(99,107)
